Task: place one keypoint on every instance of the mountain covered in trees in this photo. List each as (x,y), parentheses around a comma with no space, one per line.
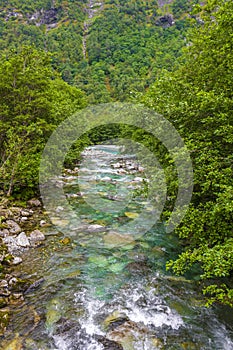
(175,57)
(110,49)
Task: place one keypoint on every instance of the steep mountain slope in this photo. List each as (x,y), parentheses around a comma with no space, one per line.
(111,49)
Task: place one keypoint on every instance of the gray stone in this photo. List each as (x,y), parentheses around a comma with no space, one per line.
(37,236)
(43,223)
(34,203)
(22,240)
(4,232)
(96,228)
(13,227)
(3,284)
(25,213)
(17,260)
(11,243)
(13,281)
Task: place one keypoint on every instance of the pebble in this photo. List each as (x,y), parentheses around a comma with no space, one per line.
(13,281)
(25,213)
(43,223)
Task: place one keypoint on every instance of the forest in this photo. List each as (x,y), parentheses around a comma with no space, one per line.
(174,57)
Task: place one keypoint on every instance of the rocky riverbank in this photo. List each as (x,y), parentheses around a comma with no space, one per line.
(20,230)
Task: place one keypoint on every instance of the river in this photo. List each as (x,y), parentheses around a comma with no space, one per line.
(105,285)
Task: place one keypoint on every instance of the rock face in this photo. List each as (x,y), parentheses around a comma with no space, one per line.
(47,17)
(165,21)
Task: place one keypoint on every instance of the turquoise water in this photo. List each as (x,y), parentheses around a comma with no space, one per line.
(107,286)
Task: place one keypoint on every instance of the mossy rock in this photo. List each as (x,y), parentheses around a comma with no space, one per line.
(114,319)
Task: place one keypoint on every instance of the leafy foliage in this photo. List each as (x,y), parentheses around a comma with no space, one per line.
(197,98)
(34,101)
(125,42)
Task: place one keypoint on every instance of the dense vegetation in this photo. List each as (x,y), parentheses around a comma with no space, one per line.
(34,100)
(127,43)
(197,98)
(133,52)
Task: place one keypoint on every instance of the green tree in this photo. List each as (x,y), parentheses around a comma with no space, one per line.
(197,98)
(33,101)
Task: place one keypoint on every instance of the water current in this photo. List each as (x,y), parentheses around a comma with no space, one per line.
(105,285)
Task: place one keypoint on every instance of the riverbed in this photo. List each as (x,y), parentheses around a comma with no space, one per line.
(104,284)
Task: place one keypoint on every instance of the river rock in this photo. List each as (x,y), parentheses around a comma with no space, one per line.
(22,240)
(11,244)
(4,292)
(115,239)
(43,223)
(130,336)
(138,179)
(106,179)
(3,284)
(34,285)
(107,344)
(114,320)
(13,281)
(26,212)
(13,227)
(96,228)
(37,236)
(5,232)
(16,260)
(34,203)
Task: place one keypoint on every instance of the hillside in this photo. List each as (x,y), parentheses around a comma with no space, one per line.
(111,49)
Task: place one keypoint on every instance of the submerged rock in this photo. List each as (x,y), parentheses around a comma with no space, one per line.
(114,320)
(96,228)
(115,239)
(130,336)
(108,344)
(34,286)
